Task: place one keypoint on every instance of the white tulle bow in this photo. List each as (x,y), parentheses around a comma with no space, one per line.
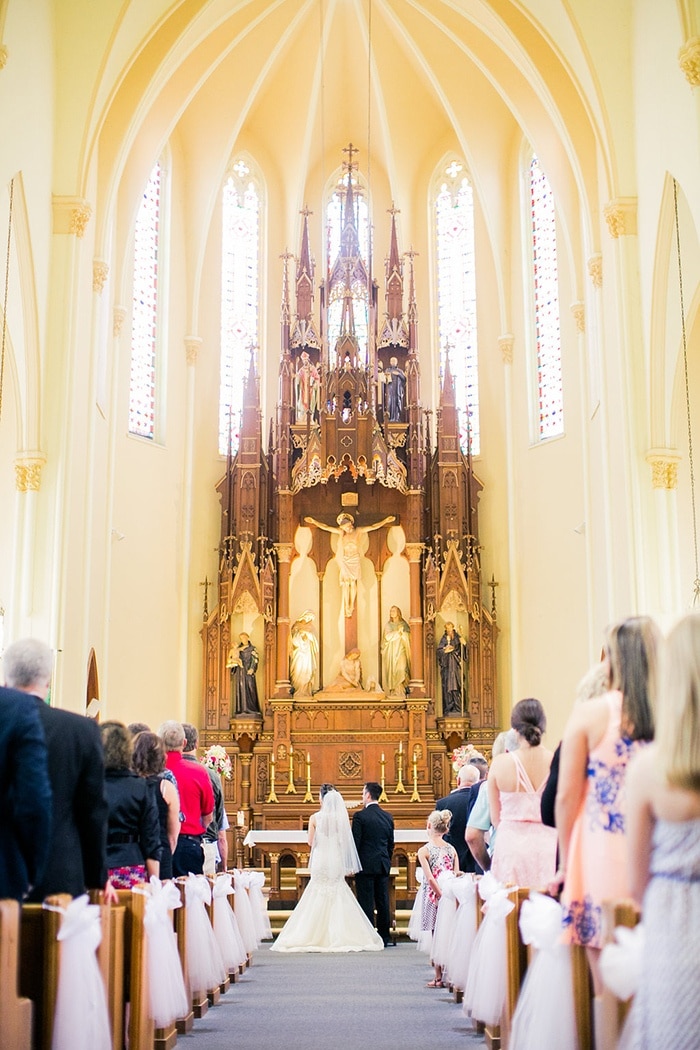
(166,983)
(256,878)
(621,962)
(81,1020)
(223,885)
(540,921)
(197,887)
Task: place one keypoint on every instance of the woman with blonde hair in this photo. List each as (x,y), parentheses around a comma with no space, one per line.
(663,851)
(434,858)
(599,741)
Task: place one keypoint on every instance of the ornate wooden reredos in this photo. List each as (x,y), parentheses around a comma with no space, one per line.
(342,444)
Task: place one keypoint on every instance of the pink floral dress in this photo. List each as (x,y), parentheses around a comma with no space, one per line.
(440,858)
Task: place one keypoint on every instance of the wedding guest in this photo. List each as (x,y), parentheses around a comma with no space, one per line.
(196,800)
(663,853)
(458,804)
(133,833)
(435,857)
(77,843)
(148,761)
(214,839)
(525,849)
(599,741)
(25,816)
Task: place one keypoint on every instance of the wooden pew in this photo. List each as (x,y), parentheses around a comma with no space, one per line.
(617,913)
(226,983)
(583,996)
(198,999)
(39,963)
(517,960)
(15,1011)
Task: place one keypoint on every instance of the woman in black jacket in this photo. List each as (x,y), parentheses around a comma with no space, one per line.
(133,833)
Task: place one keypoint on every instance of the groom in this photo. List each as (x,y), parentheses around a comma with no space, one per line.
(373,831)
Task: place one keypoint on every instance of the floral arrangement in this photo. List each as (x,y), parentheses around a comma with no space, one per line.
(216,757)
(461,755)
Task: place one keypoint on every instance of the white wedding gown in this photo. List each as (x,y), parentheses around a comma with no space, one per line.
(328,917)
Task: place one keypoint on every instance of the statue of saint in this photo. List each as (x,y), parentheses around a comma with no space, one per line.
(395,380)
(306,389)
(449,656)
(243,663)
(347,552)
(350,675)
(303,659)
(396,654)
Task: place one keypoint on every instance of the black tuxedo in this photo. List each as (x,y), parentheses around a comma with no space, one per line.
(25,813)
(459,802)
(77,855)
(373,832)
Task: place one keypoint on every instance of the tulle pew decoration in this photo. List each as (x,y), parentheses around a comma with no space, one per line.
(463,931)
(168,998)
(621,962)
(413,929)
(225,924)
(545,1014)
(243,911)
(485,990)
(444,922)
(256,881)
(205,965)
(81,1018)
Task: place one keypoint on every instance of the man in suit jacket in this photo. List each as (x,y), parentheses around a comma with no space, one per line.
(25,814)
(373,832)
(458,803)
(77,843)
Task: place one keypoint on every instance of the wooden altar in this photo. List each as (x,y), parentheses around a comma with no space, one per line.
(354,518)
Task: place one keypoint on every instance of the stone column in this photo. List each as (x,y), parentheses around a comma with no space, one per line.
(284,560)
(415,620)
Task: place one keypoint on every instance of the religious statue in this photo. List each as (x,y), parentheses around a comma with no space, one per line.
(303,659)
(347,552)
(243,663)
(396,653)
(449,656)
(306,388)
(395,380)
(350,675)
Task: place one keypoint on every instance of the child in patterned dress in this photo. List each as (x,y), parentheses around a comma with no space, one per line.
(435,857)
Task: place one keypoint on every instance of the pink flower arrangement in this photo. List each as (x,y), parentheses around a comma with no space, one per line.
(461,755)
(216,757)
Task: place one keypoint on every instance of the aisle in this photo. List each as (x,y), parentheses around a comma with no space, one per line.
(352,1002)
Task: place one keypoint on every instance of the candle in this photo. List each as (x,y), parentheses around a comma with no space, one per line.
(382,756)
(308,759)
(291,750)
(400,747)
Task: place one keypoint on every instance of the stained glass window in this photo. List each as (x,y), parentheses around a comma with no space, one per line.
(335,220)
(144,309)
(240,281)
(456,280)
(545,284)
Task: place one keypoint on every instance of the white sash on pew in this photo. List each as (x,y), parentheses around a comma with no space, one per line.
(485,991)
(205,966)
(166,984)
(225,924)
(621,962)
(444,921)
(263,929)
(81,1020)
(414,921)
(244,911)
(463,932)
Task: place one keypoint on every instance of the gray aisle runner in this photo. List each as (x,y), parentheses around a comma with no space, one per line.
(359,1001)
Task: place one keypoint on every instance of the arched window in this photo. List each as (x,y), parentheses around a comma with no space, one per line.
(456,295)
(336,246)
(544,283)
(146,306)
(240,293)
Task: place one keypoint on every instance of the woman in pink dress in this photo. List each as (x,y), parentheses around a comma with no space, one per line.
(599,741)
(525,848)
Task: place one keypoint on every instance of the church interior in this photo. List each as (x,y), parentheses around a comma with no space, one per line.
(350,367)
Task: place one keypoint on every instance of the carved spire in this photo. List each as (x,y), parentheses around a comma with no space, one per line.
(394,274)
(305,272)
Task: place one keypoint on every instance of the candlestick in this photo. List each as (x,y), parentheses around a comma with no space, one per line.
(291,790)
(272,797)
(400,789)
(308,797)
(383,796)
(415,797)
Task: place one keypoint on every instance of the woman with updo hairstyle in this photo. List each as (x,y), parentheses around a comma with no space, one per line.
(525,849)
(434,858)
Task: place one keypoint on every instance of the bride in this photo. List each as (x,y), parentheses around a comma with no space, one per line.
(328,917)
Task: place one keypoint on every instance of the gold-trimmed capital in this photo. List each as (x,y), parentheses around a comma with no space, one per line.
(118,319)
(100,273)
(284,551)
(505,345)
(193,344)
(578,313)
(664,468)
(689,61)
(414,551)
(28,473)
(621,216)
(595,269)
(4,55)
(70,214)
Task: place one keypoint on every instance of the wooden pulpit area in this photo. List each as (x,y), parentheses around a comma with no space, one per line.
(351,635)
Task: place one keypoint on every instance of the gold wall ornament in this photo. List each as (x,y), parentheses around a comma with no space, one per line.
(505,345)
(193,344)
(28,474)
(118,319)
(100,273)
(70,214)
(664,469)
(4,54)
(689,61)
(579,315)
(595,270)
(621,216)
